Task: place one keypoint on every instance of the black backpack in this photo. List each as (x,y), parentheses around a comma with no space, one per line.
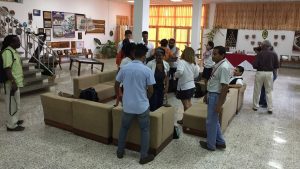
(89,94)
(3,76)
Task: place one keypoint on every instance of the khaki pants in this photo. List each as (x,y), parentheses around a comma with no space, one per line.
(263,78)
(12,104)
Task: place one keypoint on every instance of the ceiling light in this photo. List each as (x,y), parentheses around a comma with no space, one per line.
(131,1)
(176,0)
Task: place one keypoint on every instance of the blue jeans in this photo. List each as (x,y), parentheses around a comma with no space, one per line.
(144,122)
(213,129)
(262,98)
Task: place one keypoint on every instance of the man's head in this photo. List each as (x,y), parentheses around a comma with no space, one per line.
(145,36)
(210,45)
(129,50)
(218,53)
(140,52)
(172,43)
(238,71)
(257,49)
(266,44)
(12,41)
(164,43)
(159,54)
(128,34)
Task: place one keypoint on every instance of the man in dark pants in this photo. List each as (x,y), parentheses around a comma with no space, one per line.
(217,88)
(138,81)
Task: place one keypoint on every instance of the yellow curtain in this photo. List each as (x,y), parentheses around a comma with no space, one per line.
(259,15)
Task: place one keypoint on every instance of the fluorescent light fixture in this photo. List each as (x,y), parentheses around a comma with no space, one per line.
(131,1)
(176,0)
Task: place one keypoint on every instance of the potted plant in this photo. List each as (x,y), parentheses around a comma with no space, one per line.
(109,50)
(210,35)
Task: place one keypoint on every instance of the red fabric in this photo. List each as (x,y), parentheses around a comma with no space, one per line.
(236,59)
(119,58)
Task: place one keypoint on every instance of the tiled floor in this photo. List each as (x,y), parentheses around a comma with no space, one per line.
(254,139)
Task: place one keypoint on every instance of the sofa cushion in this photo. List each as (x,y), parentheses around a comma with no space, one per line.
(92,117)
(110,83)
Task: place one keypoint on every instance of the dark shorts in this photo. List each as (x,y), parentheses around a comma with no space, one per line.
(207,73)
(185,94)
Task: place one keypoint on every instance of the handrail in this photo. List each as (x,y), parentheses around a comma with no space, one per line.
(35,39)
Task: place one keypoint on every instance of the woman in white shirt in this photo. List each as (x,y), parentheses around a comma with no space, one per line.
(187,71)
(160,69)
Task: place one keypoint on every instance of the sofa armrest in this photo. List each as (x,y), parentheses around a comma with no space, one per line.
(134,133)
(84,82)
(57,108)
(92,117)
(167,121)
(107,76)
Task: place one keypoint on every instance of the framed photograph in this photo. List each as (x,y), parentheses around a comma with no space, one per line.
(40,30)
(79,35)
(47,15)
(48,34)
(58,31)
(69,25)
(58,17)
(47,24)
(78,22)
(36,12)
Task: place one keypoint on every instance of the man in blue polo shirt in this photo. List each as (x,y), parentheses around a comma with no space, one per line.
(138,81)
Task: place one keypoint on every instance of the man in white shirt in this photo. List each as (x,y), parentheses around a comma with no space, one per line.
(146,42)
(208,63)
(128,35)
(173,64)
(236,80)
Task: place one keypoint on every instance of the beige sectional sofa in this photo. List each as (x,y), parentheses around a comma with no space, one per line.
(161,129)
(101,122)
(102,82)
(241,98)
(85,118)
(194,119)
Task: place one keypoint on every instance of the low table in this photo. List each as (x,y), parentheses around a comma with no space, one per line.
(86,61)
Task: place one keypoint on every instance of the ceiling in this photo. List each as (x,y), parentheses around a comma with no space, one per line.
(168,2)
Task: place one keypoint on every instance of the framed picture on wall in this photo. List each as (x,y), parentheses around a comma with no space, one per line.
(48,34)
(58,32)
(79,35)
(40,30)
(78,18)
(47,24)
(47,15)
(36,12)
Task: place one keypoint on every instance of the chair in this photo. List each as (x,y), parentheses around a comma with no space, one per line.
(86,54)
(60,55)
(295,58)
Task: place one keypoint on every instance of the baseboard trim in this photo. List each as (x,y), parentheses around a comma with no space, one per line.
(194,132)
(58,125)
(92,136)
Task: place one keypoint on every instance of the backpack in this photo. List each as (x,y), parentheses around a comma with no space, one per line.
(3,76)
(89,94)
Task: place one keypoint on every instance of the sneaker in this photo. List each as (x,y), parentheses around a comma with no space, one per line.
(147,159)
(20,122)
(203,144)
(120,154)
(254,109)
(270,112)
(18,128)
(221,146)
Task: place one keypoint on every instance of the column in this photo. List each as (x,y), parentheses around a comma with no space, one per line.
(196,24)
(141,19)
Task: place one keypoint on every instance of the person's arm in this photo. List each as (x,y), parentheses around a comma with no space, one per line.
(222,98)
(118,81)
(117,86)
(149,91)
(7,63)
(235,86)
(166,83)
(179,70)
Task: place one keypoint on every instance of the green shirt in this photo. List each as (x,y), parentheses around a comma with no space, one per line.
(16,66)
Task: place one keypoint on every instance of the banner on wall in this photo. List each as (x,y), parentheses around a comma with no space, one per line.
(296,44)
(231,37)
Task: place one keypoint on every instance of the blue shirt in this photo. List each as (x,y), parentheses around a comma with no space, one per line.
(135,77)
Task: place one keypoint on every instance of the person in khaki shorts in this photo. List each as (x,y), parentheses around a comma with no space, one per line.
(14,72)
(266,62)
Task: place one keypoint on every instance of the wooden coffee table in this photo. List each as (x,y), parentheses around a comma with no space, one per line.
(86,61)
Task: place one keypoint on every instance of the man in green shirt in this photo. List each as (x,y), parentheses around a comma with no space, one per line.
(14,72)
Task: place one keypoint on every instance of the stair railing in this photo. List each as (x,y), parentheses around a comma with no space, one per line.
(30,42)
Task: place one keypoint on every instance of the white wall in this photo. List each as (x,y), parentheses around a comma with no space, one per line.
(95,9)
(284,47)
